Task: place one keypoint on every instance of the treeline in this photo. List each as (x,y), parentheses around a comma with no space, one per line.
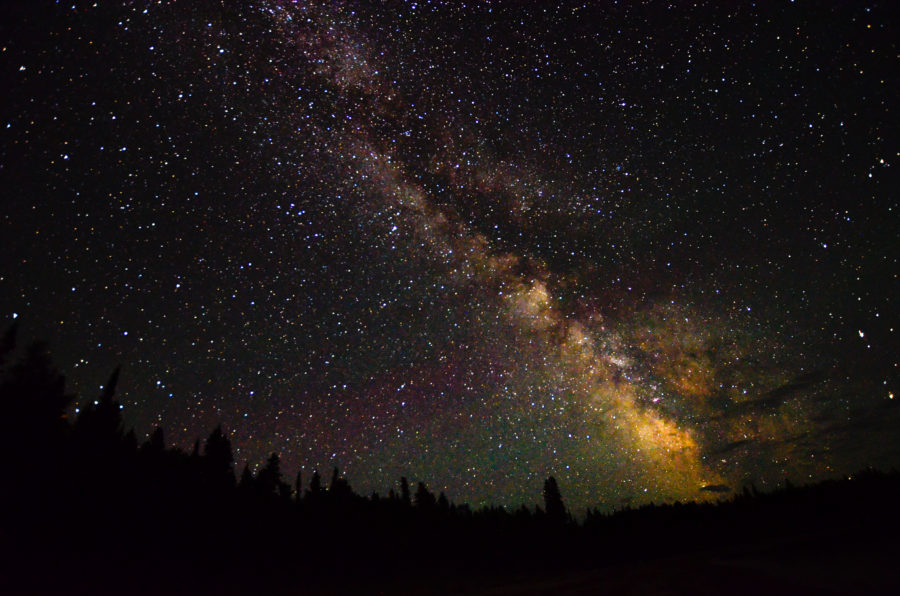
(86,506)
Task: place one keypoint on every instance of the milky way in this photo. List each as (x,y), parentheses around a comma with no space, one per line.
(650,250)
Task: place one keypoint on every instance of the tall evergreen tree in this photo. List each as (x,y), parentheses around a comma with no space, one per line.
(339,490)
(33,396)
(246,482)
(335,479)
(553,502)
(268,480)
(404,491)
(129,441)
(109,389)
(425,500)
(156,444)
(98,436)
(315,492)
(219,459)
(100,422)
(315,483)
(443,505)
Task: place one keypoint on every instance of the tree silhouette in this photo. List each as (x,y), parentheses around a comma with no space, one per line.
(553,502)
(156,444)
(34,433)
(219,460)
(404,491)
(425,500)
(268,480)
(339,490)
(284,491)
(129,441)
(100,422)
(246,482)
(443,505)
(32,395)
(315,492)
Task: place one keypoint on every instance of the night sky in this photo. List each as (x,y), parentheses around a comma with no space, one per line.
(650,249)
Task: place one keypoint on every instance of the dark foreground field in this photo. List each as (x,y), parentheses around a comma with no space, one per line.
(795,569)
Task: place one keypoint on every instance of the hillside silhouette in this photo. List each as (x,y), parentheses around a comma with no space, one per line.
(87,508)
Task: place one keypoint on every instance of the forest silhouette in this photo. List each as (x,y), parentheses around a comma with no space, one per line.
(87,508)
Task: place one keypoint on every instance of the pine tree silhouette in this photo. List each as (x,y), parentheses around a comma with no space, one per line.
(443,505)
(247,480)
(553,502)
(156,444)
(339,490)
(33,396)
(129,441)
(219,460)
(268,480)
(425,500)
(404,492)
(284,491)
(100,422)
(334,487)
(314,493)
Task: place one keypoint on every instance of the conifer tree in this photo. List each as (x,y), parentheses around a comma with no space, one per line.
(404,491)
(443,505)
(219,459)
(99,426)
(156,443)
(315,487)
(246,478)
(32,394)
(339,490)
(269,478)
(425,500)
(553,502)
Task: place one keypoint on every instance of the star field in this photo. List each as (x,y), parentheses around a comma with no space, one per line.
(647,248)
